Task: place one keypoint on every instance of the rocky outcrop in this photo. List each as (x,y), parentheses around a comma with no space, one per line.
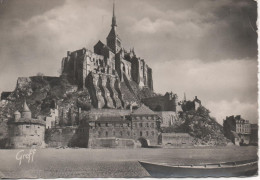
(199,124)
(105,92)
(23,87)
(114,94)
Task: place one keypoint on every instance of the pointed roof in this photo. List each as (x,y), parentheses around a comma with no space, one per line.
(17,112)
(113,17)
(25,107)
(144,110)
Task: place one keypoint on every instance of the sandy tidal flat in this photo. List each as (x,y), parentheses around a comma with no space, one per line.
(69,163)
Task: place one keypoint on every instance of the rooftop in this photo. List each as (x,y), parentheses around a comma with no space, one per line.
(144,110)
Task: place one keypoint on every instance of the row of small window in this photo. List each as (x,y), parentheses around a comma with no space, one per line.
(144,117)
(128,125)
(128,133)
(30,126)
(144,125)
(20,134)
(115,124)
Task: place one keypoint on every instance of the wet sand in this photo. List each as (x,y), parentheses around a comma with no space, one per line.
(68,163)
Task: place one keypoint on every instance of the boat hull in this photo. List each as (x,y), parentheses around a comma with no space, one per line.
(163,171)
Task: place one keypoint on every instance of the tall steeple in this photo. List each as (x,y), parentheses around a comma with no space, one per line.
(114,17)
(113,40)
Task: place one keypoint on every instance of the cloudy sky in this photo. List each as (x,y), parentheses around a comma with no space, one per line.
(206,48)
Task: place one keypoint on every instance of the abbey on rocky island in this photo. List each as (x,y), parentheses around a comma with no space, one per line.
(102,71)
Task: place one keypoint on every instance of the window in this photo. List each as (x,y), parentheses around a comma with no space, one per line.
(147,133)
(114,133)
(128,124)
(141,133)
(147,124)
(140,124)
(99,133)
(128,133)
(27,126)
(152,133)
(106,133)
(106,124)
(121,133)
(99,124)
(152,125)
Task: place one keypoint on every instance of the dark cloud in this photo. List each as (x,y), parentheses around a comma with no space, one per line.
(206,27)
(25,9)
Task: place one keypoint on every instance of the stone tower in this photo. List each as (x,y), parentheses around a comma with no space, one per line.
(113,40)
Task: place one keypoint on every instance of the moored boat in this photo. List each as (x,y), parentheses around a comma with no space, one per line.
(224,169)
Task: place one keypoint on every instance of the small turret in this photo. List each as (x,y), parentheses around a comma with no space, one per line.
(17,115)
(26,113)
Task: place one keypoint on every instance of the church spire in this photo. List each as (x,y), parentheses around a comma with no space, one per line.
(114,17)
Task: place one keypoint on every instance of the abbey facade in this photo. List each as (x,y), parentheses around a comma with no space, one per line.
(102,71)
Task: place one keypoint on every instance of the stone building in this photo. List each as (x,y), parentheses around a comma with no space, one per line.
(166,106)
(26,132)
(102,71)
(236,125)
(140,126)
(190,105)
(168,102)
(103,131)
(168,118)
(145,125)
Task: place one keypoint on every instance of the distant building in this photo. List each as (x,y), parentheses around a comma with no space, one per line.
(254,134)
(26,132)
(235,127)
(168,102)
(190,105)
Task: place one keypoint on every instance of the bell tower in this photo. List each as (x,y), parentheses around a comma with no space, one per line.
(113,40)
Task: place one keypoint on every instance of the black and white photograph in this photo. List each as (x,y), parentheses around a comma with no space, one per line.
(128,89)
